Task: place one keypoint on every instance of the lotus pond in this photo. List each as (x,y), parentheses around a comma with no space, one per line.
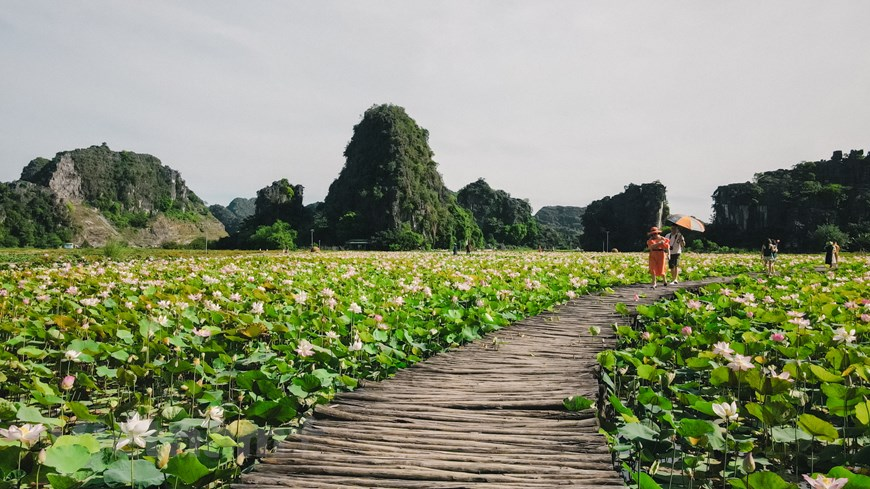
(178,372)
(763,383)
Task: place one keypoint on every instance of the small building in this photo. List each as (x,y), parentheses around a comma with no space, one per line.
(68,246)
(357,244)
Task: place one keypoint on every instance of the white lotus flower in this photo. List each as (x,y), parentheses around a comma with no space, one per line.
(728,412)
(27,434)
(136,430)
(841,335)
(723,349)
(213,413)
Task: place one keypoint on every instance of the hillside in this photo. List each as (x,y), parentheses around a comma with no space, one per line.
(503,220)
(101,195)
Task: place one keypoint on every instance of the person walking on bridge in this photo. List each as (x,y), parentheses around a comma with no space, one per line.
(677,241)
(659,248)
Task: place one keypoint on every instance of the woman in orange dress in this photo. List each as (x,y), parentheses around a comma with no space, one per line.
(658,255)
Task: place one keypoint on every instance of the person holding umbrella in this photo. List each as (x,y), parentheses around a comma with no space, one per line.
(677,241)
(659,247)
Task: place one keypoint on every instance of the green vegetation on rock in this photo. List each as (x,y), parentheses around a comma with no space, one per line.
(390,187)
(503,220)
(31,216)
(805,206)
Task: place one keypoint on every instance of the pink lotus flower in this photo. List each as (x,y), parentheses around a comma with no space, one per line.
(356,345)
(305,349)
(354,308)
(645,336)
(824,482)
(686,331)
(777,337)
(204,332)
(741,363)
(257,308)
(865,318)
(67,382)
(693,304)
(723,349)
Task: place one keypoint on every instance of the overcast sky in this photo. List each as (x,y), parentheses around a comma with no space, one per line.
(559,102)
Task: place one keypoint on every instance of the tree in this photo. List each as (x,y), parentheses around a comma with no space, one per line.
(278,235)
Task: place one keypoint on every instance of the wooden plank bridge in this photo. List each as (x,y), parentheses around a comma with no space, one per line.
(485,415)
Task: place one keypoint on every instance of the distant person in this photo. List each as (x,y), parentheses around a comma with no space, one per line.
(678,241)
(836,261)
(829,254)
(455,248)
(769,251)
(468,247)
(659,248)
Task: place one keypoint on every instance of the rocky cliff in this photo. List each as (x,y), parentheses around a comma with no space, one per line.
(804,206)
(122,195)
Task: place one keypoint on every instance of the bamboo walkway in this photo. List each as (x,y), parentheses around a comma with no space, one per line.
(485,415)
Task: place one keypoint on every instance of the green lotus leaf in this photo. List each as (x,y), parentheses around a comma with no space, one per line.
(647,482)
(577,403)
(86,440)
(856,481)
(638,432)
(30,414)
(59,481)
(762,480)
(817,427)
(187,466)
(142,474)
(824,375)
(241,428)
(862,412)
(67,458)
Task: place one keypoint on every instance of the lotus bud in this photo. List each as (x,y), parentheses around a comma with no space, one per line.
(163,455)
(184,387)
(41,457)
(166,341)
(748,463)
(240,460)
(149,391)
(199,382)
(196,362)
(67,382)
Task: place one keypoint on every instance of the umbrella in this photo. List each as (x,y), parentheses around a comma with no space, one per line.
(687,222)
